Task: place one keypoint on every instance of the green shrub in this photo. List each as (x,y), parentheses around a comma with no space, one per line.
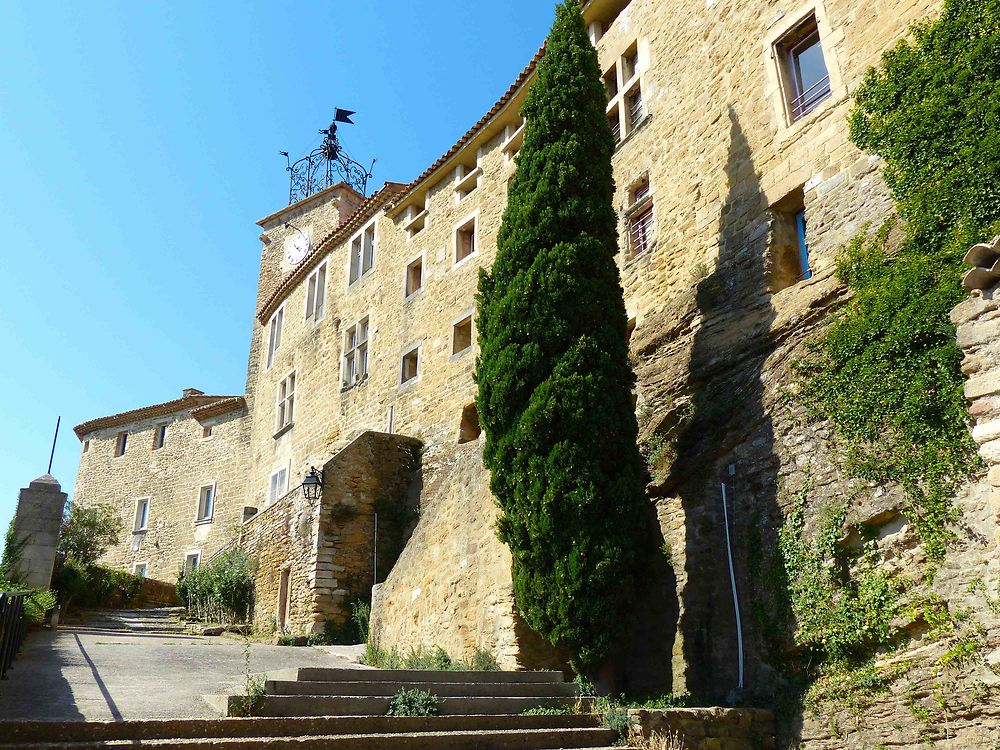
(222,590)
(483,661)
(36,604)
(88,532)
(547,711)
(553,375)
(414,703)
(94,586)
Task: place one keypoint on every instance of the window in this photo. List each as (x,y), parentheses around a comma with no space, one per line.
(316,294)
(461,335)
(355,367)
(86,446)
(807,80)
(206,503)
(626,106)
(601,14)
(286,403)
(362,253)
(248,512)
(410,366)
(466,179)
(414,280)
(141,514)
(274,334)
(191,561)
(121,443)
(206,431)
(415,219)
(465,240)
(279,484)
(159,437)
(639,191)
(789,252)
(139,569)
(640,229)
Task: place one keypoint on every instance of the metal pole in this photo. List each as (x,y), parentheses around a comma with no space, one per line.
(55,437)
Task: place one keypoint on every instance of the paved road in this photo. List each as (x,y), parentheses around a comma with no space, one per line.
(93,675)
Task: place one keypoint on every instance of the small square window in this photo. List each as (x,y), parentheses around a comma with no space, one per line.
(630,63)
(410,367)
(465,240)
(789,252)
(807,79)
(86,446)
(121,443)
(160,437)
(141,514)
(206,502)
(139,569)
(639,191)
(414,277)
(461,336)
(206,431)
(635,108)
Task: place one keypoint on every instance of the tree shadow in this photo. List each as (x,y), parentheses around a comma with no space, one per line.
(725,466)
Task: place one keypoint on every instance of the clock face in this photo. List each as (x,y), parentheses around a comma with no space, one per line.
(296,248)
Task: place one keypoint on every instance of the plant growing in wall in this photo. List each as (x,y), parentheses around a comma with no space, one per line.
(887,372)
(553,374)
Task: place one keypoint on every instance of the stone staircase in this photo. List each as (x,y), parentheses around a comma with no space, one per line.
(367,692)
(161,620)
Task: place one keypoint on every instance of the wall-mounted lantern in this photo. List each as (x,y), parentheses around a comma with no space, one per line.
(312,485)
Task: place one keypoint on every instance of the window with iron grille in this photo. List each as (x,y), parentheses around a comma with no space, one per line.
(636,109)
(807,79)
(286,402)
(641,230)
(623,81)
(355,366)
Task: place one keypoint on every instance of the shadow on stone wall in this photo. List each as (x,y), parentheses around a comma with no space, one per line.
(726,438)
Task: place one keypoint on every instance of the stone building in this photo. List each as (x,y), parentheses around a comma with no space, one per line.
(736,186)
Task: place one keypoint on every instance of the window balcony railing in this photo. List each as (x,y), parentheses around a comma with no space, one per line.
(808,100)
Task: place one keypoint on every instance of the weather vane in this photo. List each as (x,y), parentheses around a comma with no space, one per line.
(326,165)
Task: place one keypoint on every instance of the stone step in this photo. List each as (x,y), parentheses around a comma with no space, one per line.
(444,689)
(326,674)
(516,739)
(350,705)
(18,733)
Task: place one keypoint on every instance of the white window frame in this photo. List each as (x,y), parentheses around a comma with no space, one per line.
(196,554)
(618,104)
(316,293)
(273,497)
(136,526)
(472,218)
(468,315)
(361,255)
(418,348)
(143,565)
(199,517)
(354,350)
(160,436)
(274,329)
(284,405)
(406,276)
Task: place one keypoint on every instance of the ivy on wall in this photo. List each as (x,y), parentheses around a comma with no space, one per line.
(887,371)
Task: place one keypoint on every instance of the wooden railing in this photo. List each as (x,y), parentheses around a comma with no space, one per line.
(13,626)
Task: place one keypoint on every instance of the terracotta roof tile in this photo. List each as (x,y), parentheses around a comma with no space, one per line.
(148,412)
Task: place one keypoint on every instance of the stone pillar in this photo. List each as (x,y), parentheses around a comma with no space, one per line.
(977,321)
(38,519)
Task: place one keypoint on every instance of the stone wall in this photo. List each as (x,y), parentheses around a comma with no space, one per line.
(707,728)
(35,530)
(171,478)
(324,548)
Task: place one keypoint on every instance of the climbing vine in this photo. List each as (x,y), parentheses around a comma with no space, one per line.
(887,371)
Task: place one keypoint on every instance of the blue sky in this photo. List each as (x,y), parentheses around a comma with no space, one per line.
(138,146)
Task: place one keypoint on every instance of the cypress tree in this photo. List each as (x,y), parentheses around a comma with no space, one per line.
(553,373)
